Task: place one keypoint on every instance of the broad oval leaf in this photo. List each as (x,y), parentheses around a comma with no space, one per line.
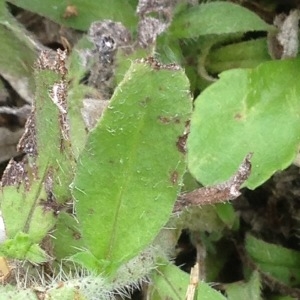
(216,18)
(254,110)
(130,171)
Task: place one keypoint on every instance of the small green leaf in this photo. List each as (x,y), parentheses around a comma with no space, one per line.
(53,141)
(280,263)
(246,111)
(169,49)
(189,183)
(130,171)
(18,207)
(65,293)
(36,254)
(246,54)
(123,61)
(22,247)
(216,18)
(205,291)
(249,290)
(169,282)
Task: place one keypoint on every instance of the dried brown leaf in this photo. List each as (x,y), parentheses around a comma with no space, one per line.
(228,190)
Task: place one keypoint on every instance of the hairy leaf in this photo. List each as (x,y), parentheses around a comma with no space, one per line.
(67,238)
(169,282)
(246,54)
(18,54)
(130,171)
(35,189)
(227,214)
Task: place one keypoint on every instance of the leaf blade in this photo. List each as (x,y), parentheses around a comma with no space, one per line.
(280,263)
(85,12)
(141,120)
(169,282)
(222,17)
(241,113)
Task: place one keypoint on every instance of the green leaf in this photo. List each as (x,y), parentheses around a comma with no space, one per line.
(227,214)
(53,142)
(19,207)
(218,253)
(249,290)
(206,292)
(88,261)
(280,297)
(18,55)
(65,293)
(241,113)
(123,61)
(22,247)
(33,190)
(200,218)
(169,49)
(9,292)
(216,18)
(169,282)
(278,262)
(246,54)
(67,237)
(87,11)
(130,171)
(189,183)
